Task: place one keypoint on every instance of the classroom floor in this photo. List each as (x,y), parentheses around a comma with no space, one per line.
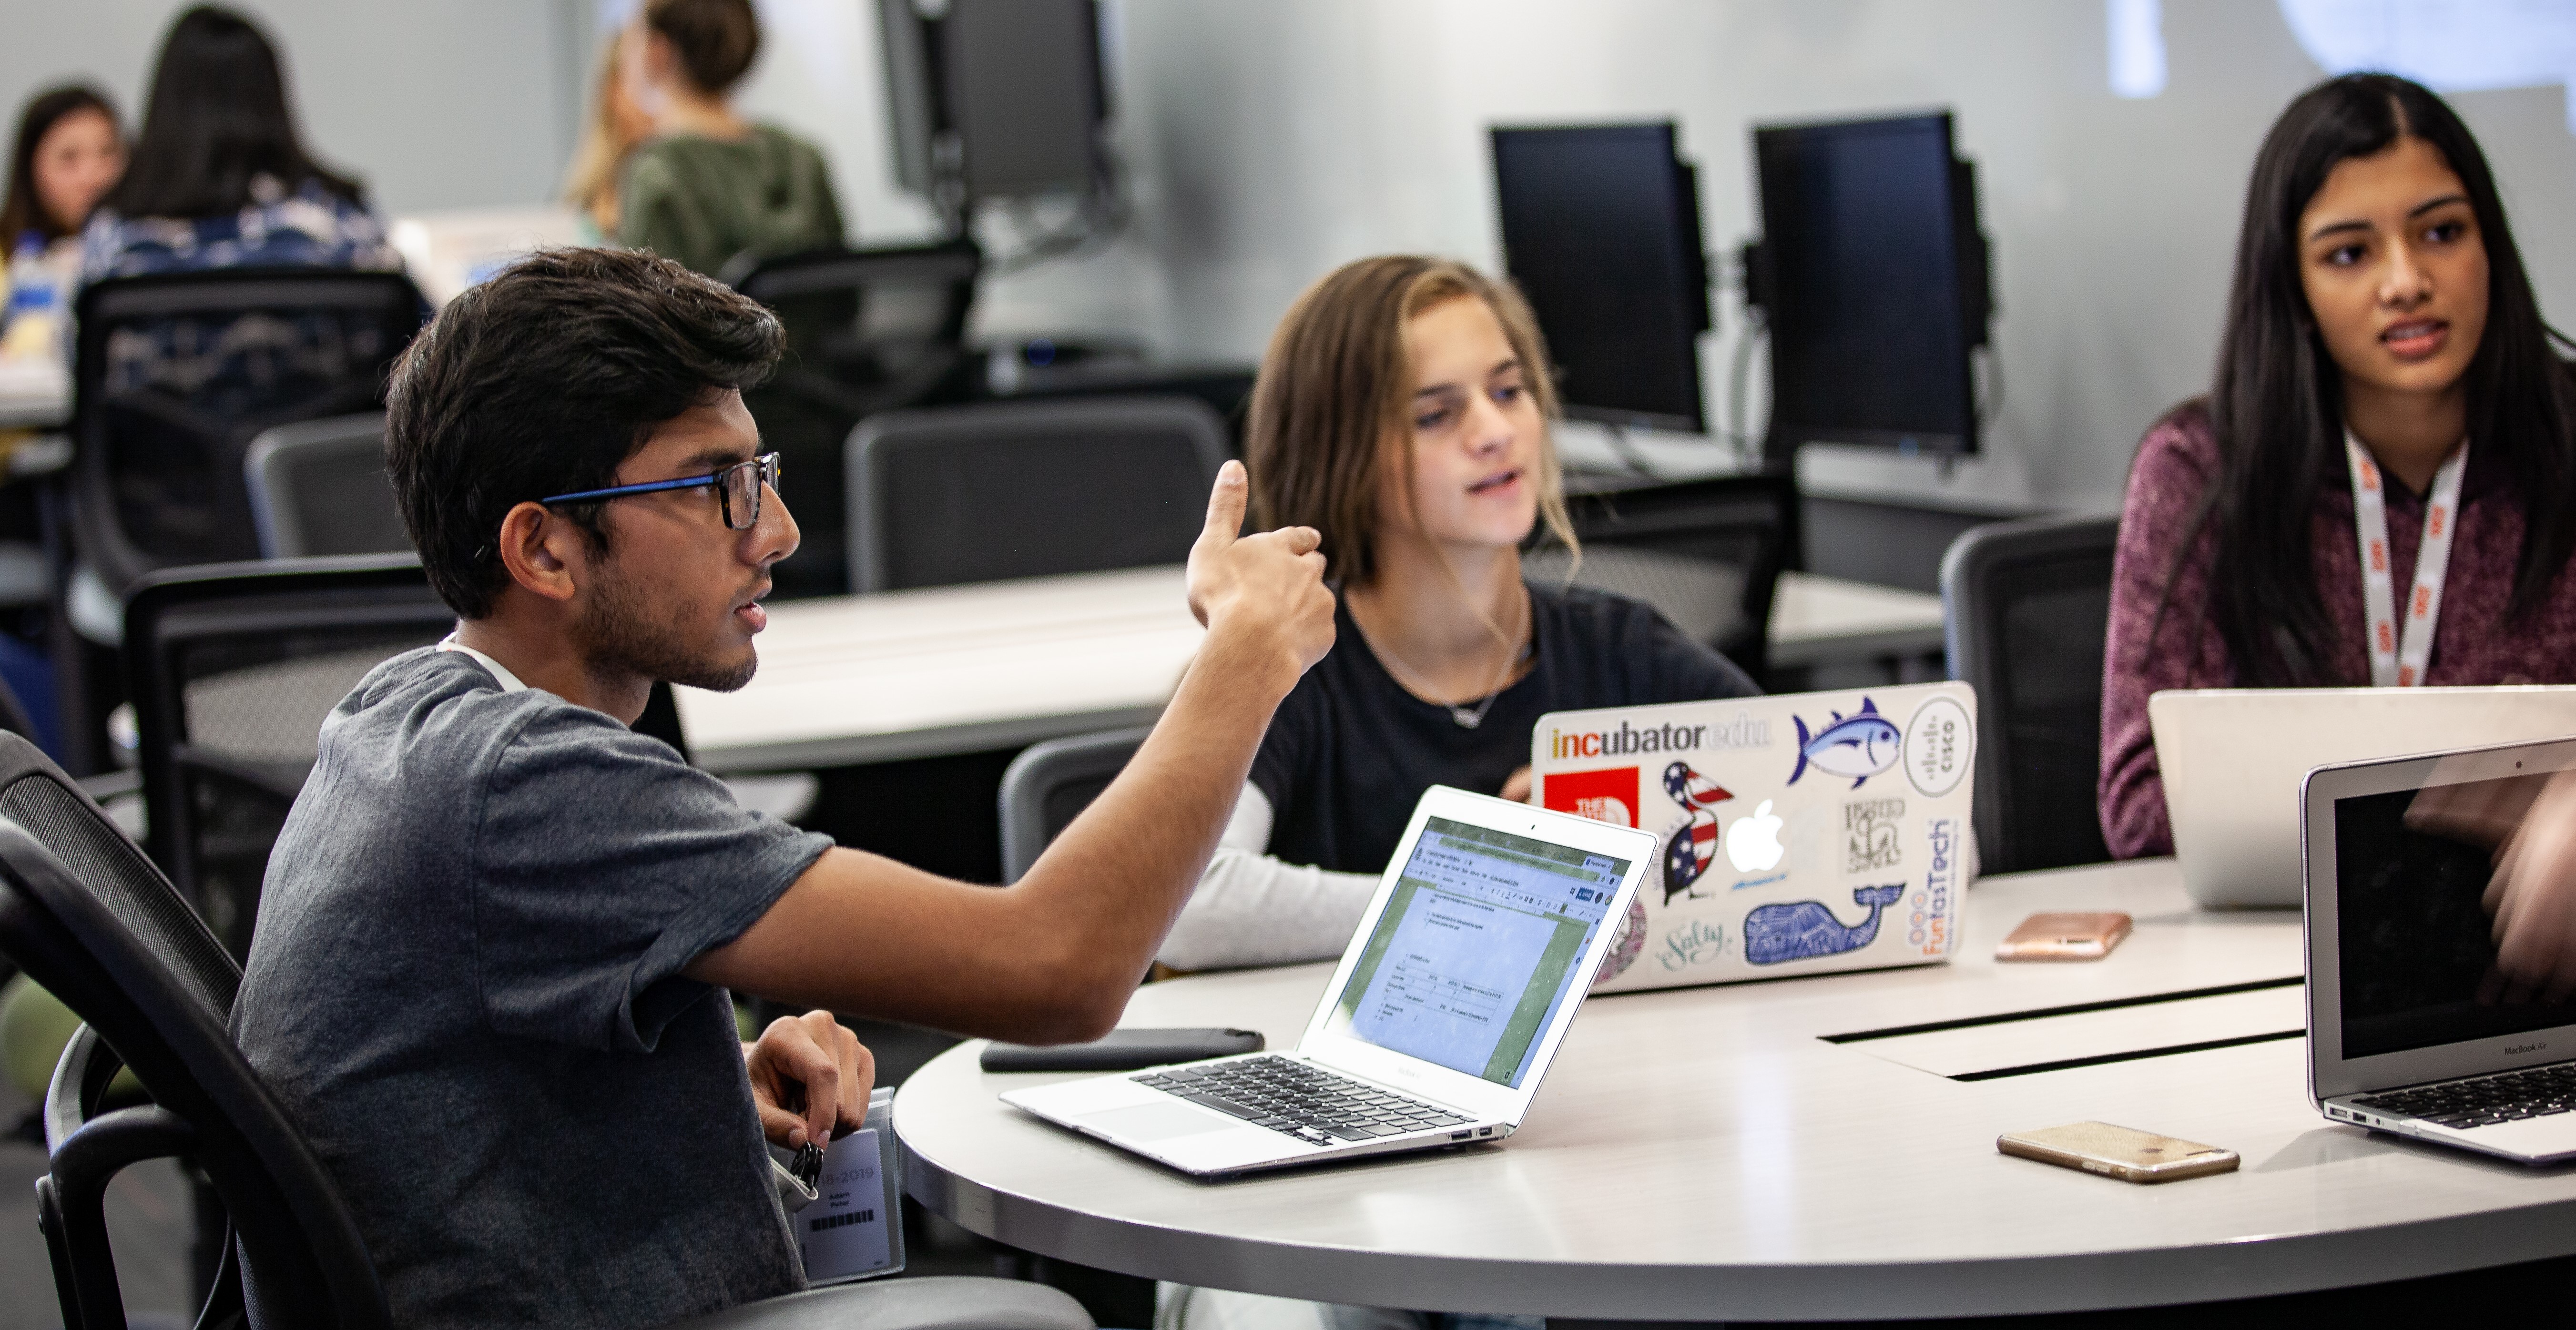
(147,1221)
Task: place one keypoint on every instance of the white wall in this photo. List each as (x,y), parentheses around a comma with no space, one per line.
(433,103)
(1283,139)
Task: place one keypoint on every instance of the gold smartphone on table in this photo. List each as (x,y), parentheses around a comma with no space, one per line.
(2064,937)
(2118,1152)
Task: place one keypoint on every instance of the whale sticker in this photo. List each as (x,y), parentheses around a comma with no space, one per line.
(1860,745)
(1807,929)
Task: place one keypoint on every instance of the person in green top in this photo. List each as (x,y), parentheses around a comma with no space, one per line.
(710,185)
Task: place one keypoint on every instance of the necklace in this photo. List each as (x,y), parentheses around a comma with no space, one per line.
(1466,715)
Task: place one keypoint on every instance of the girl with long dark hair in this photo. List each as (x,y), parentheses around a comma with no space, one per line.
(2376,490)
(219,177)
(69,151)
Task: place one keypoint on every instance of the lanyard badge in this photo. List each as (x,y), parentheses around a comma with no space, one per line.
(2401,643)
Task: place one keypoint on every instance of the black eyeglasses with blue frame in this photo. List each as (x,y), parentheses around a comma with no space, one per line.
(738,488)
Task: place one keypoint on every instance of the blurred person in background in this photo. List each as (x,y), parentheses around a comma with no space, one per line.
(710,185)
(70,151)
(617,123)
(220,178)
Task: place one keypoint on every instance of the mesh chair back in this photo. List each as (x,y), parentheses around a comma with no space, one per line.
(320,489)
(1707,554)
(868,330)
(1049,784)
(233,668)
(978,493)
(2028,605)
(87,916)
(175,374)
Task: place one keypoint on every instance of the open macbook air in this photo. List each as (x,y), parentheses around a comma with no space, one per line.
(1438,1023)
(2232,759)
(2413,1025)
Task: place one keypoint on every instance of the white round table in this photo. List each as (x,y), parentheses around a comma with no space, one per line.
(1720,1153)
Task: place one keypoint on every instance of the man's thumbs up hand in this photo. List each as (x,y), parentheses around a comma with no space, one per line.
(1267,588)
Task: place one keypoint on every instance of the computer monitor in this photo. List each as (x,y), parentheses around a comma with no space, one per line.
(994,98)
(1872,274)
(1601,231)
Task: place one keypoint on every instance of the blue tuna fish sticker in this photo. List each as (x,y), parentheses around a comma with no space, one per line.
(1806,929)
(1860,745)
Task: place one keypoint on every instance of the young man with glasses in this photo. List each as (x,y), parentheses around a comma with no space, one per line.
(486,979)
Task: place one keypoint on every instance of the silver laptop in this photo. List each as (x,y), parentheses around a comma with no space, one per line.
(2232,760)
(2412,1026)
(1446,1008)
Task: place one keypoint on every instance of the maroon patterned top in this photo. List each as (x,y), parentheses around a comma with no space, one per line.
(2472,643)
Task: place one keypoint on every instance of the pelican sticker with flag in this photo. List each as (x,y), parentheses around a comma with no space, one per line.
(1786,849)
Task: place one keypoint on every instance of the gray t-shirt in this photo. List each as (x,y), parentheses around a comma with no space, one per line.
(465,988)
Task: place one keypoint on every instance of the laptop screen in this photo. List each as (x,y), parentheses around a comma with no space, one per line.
(1477,949)
(2417,934)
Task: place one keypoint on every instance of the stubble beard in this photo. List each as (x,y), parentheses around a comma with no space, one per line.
(623,633)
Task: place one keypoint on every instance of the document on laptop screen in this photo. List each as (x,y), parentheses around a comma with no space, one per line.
(1477,949)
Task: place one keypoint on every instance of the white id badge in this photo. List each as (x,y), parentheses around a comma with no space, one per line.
(854,1230)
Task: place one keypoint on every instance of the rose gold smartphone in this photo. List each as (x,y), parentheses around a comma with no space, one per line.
(2118,1152)
(2065,937)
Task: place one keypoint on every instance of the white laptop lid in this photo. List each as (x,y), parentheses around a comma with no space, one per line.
(2402,982)
(1484,935)
(2232,760)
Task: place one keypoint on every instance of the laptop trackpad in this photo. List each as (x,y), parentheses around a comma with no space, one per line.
(1156,1122)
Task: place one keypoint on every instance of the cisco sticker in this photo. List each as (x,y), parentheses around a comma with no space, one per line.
(1939,742)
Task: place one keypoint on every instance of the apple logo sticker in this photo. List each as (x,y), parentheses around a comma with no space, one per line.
(1753,843)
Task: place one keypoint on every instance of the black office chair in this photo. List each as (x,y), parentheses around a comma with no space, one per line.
(85,914)
(232,668)
(1707,554)
(1049,784)
(976,493)
(319,489)
(2027,605)
(868,330)
(175,374)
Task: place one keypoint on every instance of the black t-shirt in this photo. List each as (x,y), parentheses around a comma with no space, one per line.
(1350,752)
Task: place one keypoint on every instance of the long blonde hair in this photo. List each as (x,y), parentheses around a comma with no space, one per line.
(590,183)
(1331,394)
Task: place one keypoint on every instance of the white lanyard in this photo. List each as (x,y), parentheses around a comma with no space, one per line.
(2398,659)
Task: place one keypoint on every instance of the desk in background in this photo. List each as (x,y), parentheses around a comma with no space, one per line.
(34,395)
(1727,1153)
(995,665)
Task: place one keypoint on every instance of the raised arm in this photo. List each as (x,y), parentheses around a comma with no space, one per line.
(1054,957)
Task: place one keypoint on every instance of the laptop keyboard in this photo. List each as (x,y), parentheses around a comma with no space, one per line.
(2485,1101)
(1298,1099)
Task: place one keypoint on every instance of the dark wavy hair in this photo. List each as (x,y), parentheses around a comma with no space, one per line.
(22,211)
(715,40)
(2277,406)
(541,381)
(217,119)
